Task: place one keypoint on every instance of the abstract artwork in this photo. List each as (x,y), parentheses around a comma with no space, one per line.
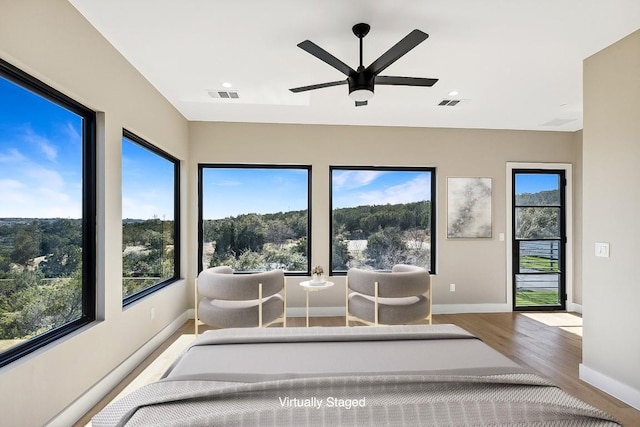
(468,208)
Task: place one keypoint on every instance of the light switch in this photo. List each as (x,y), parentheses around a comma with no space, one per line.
(602,249)
(501,237)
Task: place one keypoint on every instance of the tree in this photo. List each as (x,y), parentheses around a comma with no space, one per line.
(278,232)
(537,223)
(62,262)
(385,248)
(340,255)
(249,261)
(27,244)
(286,259)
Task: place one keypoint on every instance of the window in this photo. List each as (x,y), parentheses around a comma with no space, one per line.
(150,218)
(47,214)
(255,218)
(381,216)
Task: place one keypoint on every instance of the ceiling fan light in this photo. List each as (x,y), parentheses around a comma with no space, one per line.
(361,95)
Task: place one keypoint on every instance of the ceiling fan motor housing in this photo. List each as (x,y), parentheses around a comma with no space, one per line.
(360,80)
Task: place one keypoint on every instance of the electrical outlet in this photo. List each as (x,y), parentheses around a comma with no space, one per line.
(452,287)
(153,313)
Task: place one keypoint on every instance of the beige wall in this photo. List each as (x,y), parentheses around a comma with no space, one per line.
(477,267)
(611,154)
(51,41)
(577,219)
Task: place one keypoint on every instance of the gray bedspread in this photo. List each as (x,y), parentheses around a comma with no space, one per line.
(491,395)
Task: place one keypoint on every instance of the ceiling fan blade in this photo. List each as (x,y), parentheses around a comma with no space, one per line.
(318,86)
(413,39)
(404,81)
(325,56)
(361,103)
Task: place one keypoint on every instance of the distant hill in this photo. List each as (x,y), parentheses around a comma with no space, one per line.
(549,197)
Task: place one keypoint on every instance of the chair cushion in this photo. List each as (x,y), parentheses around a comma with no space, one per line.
(402,281)
(221,283)
(391,311)
(239,314)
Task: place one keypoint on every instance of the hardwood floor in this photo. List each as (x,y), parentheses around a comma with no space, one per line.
(547,347)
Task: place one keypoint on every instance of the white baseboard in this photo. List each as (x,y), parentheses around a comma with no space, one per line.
(615,388)
(437,309)
(88,400)
(315,311)
(300,312)
(470,308)
(576,308)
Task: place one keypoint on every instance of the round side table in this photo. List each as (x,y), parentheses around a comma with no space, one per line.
(310,286)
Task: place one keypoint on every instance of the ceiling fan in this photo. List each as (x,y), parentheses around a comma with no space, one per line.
(362,81)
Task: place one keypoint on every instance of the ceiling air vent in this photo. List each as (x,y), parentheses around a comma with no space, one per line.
(224,94)
(449,102)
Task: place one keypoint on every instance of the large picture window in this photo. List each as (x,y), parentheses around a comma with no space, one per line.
(255,218)
(47,214)
(381,216)
(150,223)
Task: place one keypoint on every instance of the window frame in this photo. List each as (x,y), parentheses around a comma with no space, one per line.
(433,187)
(132,137)
(89,211)
(202,166)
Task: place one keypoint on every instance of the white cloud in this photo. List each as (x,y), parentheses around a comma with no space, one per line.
(48,149)
(416,190)
(46,178)
(52,196)
(10,185)
(140,206)
(350,179)
(72,132)
(12,156)
(21,200)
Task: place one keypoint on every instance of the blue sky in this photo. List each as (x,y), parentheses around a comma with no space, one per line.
(233,191)
(534,182)
(147,183)
(41,167)
(40,157)
(378,187)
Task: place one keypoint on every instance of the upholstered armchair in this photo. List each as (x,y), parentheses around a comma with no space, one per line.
(398,297)
(227,300)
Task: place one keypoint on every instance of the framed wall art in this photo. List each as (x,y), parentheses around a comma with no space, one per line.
(468,208)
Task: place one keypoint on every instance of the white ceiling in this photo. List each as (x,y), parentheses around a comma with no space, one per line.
(517,64)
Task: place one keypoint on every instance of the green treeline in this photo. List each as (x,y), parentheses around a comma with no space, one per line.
(40,275)
(147,253)
(394,234)
(254,242)
(538,222)
(362,221)
(41,269)
(250,242)
(541,198)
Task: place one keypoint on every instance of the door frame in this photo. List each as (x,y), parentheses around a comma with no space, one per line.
(567,167)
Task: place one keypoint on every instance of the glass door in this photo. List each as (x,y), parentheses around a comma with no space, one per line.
(539,239)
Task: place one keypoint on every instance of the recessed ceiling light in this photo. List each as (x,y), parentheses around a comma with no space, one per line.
(226,84)
(453,93)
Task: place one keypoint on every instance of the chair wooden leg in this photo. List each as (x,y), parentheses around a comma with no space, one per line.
(346,302)
(195,321)
(376,304)
(284,304)
(260,305)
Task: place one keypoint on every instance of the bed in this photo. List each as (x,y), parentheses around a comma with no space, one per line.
(435,375)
